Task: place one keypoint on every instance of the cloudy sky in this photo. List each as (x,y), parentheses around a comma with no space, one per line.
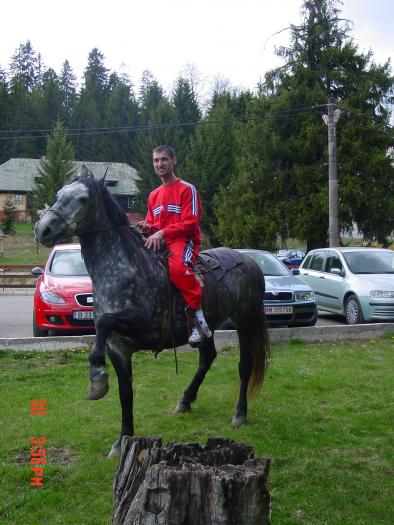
(229,39)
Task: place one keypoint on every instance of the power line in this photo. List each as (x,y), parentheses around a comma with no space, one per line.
(74,132)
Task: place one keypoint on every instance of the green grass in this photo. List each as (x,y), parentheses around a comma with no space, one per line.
(21,248)
(324,416)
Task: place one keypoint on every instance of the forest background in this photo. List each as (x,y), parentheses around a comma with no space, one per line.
(258,158)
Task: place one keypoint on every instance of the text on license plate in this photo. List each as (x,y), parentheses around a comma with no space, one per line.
(82,316)
(278,309)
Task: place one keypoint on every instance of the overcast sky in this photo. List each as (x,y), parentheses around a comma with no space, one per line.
(232,39)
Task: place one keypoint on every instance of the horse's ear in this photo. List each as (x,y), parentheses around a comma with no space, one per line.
(85,171)
(101,180)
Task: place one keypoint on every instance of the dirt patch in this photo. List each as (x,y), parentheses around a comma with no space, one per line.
(54,456)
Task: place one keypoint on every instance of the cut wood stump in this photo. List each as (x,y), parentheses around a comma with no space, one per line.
(187,484)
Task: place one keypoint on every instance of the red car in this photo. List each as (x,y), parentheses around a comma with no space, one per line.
(63,299)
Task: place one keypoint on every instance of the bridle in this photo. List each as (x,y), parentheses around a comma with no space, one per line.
(71,227)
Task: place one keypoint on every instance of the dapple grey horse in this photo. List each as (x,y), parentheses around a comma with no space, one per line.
(132,306)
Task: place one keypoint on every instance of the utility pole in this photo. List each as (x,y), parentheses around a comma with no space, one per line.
(330,120)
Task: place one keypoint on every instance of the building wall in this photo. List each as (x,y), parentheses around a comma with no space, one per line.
(19,200)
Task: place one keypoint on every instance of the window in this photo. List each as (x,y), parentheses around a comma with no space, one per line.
(131,202)
(308,261)
(333,261)
(317,261)
(18,199)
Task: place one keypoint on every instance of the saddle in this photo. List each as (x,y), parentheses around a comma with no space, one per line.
(217,262)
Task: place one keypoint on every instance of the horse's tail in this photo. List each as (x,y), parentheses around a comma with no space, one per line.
(260,355)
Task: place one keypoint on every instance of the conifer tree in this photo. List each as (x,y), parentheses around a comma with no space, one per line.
(9,219)
(55,169)
(284,144)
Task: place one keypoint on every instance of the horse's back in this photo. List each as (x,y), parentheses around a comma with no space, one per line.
(233,285)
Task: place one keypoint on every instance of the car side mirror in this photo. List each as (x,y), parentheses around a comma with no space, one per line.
(295,271)
(336,271)
(36,271)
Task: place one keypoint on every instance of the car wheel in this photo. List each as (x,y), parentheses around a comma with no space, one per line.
(353,312)
(313,321)
(37,331)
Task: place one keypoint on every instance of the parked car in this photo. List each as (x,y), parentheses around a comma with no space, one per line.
(63,299)
(287,300)
(291,258)
(357,283)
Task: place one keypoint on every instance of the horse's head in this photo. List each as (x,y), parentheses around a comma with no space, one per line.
(71,213)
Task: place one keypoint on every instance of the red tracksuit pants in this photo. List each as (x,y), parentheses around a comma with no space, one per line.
(180,261)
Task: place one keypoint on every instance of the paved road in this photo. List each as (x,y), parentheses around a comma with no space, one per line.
(16,316)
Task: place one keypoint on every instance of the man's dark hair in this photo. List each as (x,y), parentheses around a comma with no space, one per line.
(168,149)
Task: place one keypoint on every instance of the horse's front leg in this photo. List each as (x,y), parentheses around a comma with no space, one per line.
(98,383)
(121,361)
(207,356)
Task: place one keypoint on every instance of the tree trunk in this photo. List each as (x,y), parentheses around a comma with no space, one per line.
(186,484)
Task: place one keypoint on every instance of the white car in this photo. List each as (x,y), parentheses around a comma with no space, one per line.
(355,282)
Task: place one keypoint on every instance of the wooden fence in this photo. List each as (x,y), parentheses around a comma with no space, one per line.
(17,276)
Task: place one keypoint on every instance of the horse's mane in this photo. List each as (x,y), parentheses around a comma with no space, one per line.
(130,236)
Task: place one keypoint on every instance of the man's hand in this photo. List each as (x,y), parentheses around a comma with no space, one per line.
(144,226)
(153,242)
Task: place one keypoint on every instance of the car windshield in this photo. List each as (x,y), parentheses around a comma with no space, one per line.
(284,253)
(269,263)
(370,261)
(68,263)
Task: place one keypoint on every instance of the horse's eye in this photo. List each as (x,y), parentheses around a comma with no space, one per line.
(83,200)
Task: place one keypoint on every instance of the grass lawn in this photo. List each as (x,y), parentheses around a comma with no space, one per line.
(325,416)
(21,248)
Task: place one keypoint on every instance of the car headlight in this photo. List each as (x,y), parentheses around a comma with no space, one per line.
(52,297)
(304,296)
(386,294)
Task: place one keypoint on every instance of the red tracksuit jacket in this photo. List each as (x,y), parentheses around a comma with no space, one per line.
(176,210)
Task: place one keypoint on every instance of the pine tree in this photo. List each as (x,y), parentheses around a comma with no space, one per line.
(5,146)
(25,66)
(284,145)
(122,112)
(68,89)
(90,111)
(54,170)
(8,222)
(187,114)
(211,160)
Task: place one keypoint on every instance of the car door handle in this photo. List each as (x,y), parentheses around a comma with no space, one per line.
(321,277)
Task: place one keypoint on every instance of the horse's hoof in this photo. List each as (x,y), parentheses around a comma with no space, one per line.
(98,384)
(238,421)
(182,407)
(114,452)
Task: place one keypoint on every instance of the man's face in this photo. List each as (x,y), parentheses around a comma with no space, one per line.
(163,164)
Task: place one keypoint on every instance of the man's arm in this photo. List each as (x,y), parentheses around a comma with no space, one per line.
(190,215)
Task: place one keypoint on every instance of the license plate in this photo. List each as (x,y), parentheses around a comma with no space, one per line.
(278,310)
(82,316)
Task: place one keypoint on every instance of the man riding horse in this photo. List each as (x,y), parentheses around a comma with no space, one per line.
(174,214)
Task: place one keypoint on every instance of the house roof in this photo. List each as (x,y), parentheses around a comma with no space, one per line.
(18,175)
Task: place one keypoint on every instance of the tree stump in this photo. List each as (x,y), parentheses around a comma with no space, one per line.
(187,484)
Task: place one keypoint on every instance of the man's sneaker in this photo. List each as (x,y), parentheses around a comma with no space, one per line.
(195,337)
(203,327)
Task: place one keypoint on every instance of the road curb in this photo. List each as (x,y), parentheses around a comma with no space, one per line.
(313,334)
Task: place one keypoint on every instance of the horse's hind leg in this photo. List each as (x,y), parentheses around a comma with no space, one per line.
(246,341)
(208,354)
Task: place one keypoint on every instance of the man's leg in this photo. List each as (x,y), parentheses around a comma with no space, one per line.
(181,274)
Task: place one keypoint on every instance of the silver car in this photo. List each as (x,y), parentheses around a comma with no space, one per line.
(355,282)
(287,300)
